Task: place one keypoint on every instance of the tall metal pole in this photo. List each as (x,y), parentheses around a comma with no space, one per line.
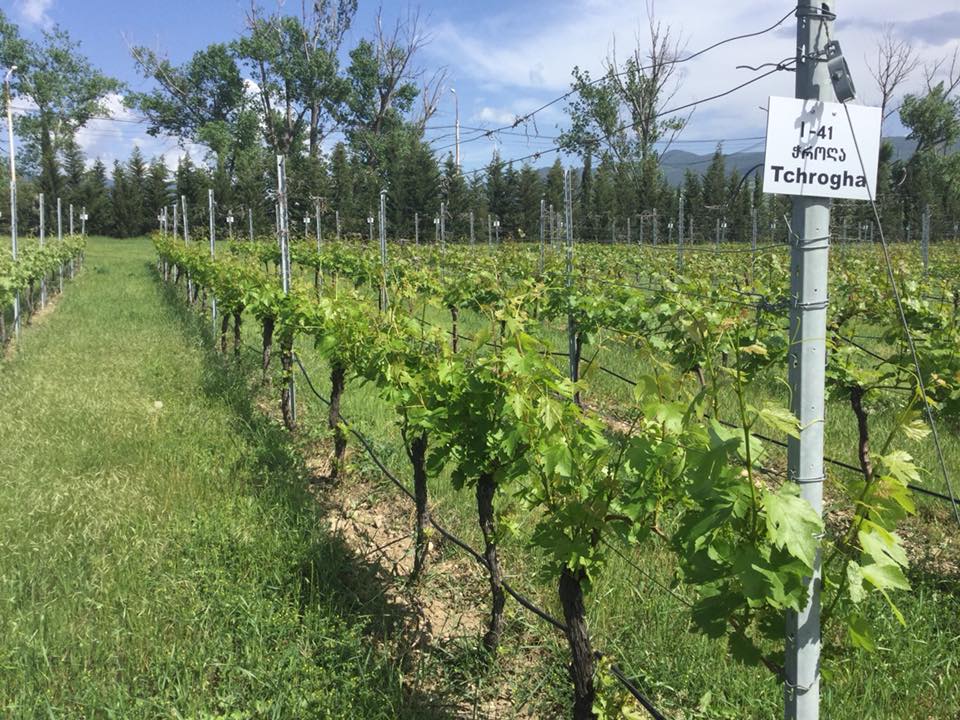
(443,226)
(284,236)
(680,235)
(383,249)
(456,105)
(542,221)
(43,233)
(572,355)
(416,228)
(186,228)
(60,235)
(809,255)
(13,195)
(924,238)
(213,237)
(186,241)
(472,237)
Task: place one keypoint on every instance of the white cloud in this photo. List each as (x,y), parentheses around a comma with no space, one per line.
(495,115)
(114,136)
(36,12)
(506,58)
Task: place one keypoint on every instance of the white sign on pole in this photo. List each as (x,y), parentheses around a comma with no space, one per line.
(811,150)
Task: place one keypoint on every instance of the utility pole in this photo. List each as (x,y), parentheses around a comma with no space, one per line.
(807,360)
(416,228)
(456,105)
(472,238)
(13,195)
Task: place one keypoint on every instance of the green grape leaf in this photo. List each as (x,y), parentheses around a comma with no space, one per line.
(792,524)
(884,577)
(860,634)
(881,546)
(900,466)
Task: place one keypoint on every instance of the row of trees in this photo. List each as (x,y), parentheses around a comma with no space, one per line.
(280,88)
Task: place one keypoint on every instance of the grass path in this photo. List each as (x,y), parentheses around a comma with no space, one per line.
(158,555)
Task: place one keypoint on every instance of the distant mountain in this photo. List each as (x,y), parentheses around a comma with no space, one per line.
(675,163)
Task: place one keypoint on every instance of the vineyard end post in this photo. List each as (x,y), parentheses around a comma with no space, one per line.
(809,255)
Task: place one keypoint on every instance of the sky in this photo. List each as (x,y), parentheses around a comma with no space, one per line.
(504,58)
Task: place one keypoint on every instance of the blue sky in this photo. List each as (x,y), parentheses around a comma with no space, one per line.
(506,58)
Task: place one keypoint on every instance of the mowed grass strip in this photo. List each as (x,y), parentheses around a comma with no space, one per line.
(159,557)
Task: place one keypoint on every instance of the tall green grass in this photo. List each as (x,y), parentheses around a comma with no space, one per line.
(159,556)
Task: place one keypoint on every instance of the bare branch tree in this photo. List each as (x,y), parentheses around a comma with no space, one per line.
(650,82)
(952,80)
(896,61)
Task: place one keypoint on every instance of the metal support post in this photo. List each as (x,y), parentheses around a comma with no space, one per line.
(213,298)
(383,250)
(807,359)
(283,225)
